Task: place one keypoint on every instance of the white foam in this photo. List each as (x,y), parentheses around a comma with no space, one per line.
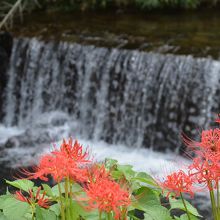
(7,132)
(154,163)
(157,164)
(146,160)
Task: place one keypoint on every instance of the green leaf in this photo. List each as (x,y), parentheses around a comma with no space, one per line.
(185,217)
(148,201)
(77,210)
(55,208)
(110,163)
(92,215)
(76,189)
(2,217)
(48,190)
(55,189)
(145,197)
(117,174)
(22,184)
(156,212)
(45,214)
(14,209)
(127,171)
(28,216)
(178,204)
(145,178)
(3,198)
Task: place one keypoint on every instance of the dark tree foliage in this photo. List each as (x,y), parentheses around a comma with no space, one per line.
(11,8)
(142,4)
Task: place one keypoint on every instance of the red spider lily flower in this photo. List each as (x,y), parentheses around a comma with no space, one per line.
(106,194)
(210,140)
(21,197)
(73,151)
(67,162)
(33,199)
(57,166)
(96,172)
(44,168)
(206,169)
(178,182)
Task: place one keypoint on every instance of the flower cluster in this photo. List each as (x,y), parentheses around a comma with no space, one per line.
(203,172)
(33,199)
(71,164)
(106,194)
(205,168)
(66,162)
(178,182)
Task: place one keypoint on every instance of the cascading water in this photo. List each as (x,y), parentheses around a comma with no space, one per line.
(125,98)
(119,96)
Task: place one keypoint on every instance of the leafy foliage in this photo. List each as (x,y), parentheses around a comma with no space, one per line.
(145,197)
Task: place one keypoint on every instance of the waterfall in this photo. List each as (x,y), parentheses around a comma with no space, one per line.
(119,96)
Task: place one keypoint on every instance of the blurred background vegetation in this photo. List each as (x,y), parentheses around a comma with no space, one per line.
(97,4)
(140,4)
(9,9)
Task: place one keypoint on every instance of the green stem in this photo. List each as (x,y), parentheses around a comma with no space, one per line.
(109,216)
(213,202)
(124,213)
(61,202)
(212,197)
(67,199)
(71,198)
(32,212)
(100,215)
(187,212)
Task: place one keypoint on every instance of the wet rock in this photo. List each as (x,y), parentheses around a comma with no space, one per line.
(6,42)
(11,143)
(59,121)
(29,138)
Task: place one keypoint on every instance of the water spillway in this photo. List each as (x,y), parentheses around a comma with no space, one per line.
(119,96)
